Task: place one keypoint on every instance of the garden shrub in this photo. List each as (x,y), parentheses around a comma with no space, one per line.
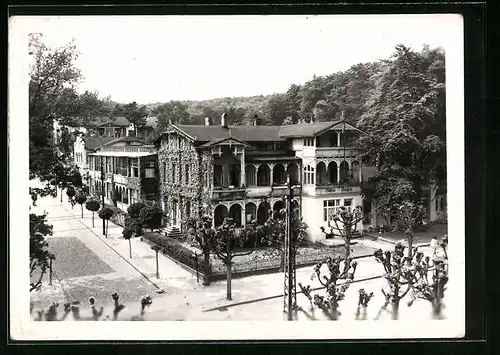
(175,250)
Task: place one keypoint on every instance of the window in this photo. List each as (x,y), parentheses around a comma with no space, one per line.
(188,209)
(134,167)
(186,173)
(309,142)
(308,175)
(164,172)
(108,165)
(123,166)
(150,169)
(173,173)
(134,196)
(125,195)
(330,208)
(348,203)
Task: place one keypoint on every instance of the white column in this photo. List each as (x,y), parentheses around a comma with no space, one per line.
(360,175)
(338,173)
(338,139)
(243,215)
(242,169)
(271,175)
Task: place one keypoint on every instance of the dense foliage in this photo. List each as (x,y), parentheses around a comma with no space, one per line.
(151,216)
(39,254)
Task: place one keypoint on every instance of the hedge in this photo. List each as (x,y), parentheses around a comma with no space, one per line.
(175,250)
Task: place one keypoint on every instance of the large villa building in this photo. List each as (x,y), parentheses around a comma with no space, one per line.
(241,171)
(232,171)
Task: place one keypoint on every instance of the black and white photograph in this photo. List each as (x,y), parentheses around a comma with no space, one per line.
(236,177)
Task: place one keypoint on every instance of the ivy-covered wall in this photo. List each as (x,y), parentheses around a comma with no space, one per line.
(188,189)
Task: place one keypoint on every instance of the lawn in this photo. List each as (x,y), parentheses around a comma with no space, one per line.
(74,259)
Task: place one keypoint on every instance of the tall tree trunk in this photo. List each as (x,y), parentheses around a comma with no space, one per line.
(61,193)
(92,219)
(82,210)
(206,268)
(410,246)
(395,309)
(107,227)
(229,275)
(157,266)
(130,248)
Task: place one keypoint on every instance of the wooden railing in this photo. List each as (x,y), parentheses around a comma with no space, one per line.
(136,149)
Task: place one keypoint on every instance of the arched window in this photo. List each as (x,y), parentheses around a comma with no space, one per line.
(321,174)
(355,171)
(250,175)
(279,177)
(263,175)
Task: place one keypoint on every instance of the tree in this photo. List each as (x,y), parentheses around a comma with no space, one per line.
(71,192)
(91,312)
(329,304)
(273,232)
(156,249)
(275,109)
(202,232)
(151,216)
(174,111)
(39,254)
(345,226)
(401,273)
(135,115)
(105,214)
(81,198)
(52,73)
(223,243)
(135,209)
(94,206)
(405,126)
(133,228)
(431,291)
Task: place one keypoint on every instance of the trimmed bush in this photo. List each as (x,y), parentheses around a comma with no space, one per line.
(151,217)
(175,250)
(134,209)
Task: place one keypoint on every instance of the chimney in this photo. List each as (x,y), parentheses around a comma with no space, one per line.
(256,120)
(208,121)
(223,120)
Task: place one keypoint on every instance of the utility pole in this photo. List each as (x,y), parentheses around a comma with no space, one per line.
(102,193)
(290,286)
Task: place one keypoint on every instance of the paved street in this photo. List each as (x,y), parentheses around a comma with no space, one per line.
(89,264)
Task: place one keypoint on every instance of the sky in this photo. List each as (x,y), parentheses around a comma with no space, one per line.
(151,59)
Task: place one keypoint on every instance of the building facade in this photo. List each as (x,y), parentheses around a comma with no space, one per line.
(125,170)
(241,171)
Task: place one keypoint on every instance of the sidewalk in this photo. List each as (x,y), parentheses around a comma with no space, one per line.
(143,257)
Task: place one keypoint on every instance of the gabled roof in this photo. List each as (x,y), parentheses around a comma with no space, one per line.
(203,134)
(124,139)
(305,129)
(116,121)
(222,140)
(92,143)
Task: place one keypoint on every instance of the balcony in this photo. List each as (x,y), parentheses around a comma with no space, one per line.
(128,149)
(227,193)
(330,152)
